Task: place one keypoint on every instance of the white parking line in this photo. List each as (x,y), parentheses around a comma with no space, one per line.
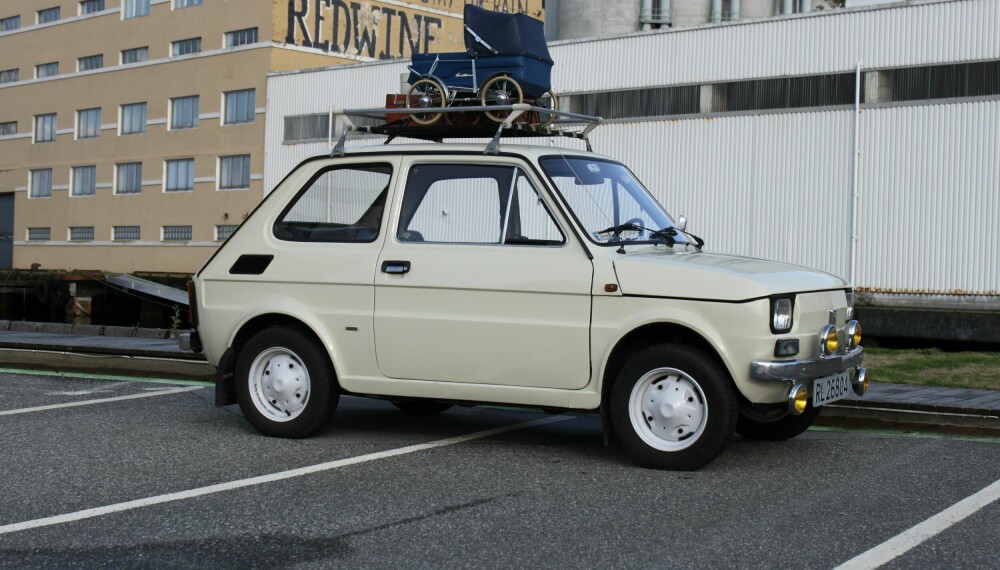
(909,539)
(259,480)
(98,401)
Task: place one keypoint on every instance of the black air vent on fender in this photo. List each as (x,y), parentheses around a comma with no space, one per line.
(251,264)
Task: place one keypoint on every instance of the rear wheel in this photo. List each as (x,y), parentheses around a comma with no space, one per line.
(501,90)
(673,407)
(421,407)
(285,383)
(547,101)
(776,425)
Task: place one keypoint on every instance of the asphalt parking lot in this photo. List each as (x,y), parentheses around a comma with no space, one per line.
(153,475)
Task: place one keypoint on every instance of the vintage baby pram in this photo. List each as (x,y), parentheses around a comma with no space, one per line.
(506,61)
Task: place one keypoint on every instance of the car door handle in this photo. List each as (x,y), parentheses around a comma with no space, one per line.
(396,267)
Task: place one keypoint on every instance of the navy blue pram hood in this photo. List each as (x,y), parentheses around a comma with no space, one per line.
(508,34)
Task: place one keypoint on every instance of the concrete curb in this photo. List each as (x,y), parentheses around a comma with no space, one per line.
(884,415)
(116,364)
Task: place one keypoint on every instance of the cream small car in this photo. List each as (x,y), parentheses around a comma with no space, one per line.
(434,274)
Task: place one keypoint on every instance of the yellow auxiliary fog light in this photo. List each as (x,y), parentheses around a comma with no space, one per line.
(798,399)
(829,342)
(860,382)
(853,334)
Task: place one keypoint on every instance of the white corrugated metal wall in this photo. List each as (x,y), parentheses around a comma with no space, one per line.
(778,185)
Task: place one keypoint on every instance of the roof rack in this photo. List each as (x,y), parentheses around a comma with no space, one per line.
(485,129)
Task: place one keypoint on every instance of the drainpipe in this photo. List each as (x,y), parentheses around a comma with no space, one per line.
(646,14)
(664,12)
(734,9)
(716,11)
(789,7)
(806,6)
(855,157)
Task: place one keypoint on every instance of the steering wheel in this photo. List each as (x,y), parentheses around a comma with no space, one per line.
(638,222)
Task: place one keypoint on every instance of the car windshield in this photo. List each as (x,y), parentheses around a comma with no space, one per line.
(609,202)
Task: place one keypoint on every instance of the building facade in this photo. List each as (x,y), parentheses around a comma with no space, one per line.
(132,131)
(873,159)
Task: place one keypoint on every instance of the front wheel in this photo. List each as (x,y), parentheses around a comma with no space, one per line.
(285,383)
(777,425)
(426,93)
(673,407)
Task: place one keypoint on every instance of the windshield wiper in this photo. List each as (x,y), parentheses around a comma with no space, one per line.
(616,231)
(667,234)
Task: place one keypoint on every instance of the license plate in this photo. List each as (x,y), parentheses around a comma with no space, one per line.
(831,388)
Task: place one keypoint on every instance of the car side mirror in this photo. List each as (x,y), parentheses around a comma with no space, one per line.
(682,222)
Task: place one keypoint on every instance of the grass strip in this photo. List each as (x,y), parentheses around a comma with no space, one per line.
(934,367)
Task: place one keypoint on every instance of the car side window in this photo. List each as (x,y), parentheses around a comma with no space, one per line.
(474,204)
(342,204)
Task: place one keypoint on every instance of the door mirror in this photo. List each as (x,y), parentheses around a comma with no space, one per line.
(682,222)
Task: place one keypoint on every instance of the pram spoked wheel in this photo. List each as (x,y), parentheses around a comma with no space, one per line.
(501,90)
(425,93)
(547,101)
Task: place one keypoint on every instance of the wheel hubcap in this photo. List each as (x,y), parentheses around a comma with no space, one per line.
(280,384)
(667,409)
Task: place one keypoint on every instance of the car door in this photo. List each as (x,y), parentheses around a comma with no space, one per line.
(479,283)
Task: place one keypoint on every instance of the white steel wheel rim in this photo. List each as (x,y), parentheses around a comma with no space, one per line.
(668,410)
(279,384)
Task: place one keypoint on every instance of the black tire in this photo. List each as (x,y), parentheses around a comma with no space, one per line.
(777,426)
(421,407)
(285,351)
(703,392)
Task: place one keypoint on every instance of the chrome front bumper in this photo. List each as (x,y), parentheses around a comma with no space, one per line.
(807,369)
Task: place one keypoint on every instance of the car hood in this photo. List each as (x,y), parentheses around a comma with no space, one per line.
(709,276)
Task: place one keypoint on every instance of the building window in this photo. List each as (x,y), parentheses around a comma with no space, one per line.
(10,24)
(10,75)
(81,233)
(121,233)
(178,4)
(8,128)
(47,70)
(84,180)
(88,123)
(184,47)
(39,234)
(307,128)
(91,6)
(184,112)
(41,183)
(135,9)
(176,233)
(240,106)
(135,55)
(222,233)
(90,62)
(48,15)
(234,172)
(241,37)
(45,128)
(180,175)
(133,119)
(129,178)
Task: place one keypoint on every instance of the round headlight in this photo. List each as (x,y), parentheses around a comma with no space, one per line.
(853,334)
(829,342)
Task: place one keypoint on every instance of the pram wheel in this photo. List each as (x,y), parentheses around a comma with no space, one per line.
(425,93)
(501,90)
(547,101)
